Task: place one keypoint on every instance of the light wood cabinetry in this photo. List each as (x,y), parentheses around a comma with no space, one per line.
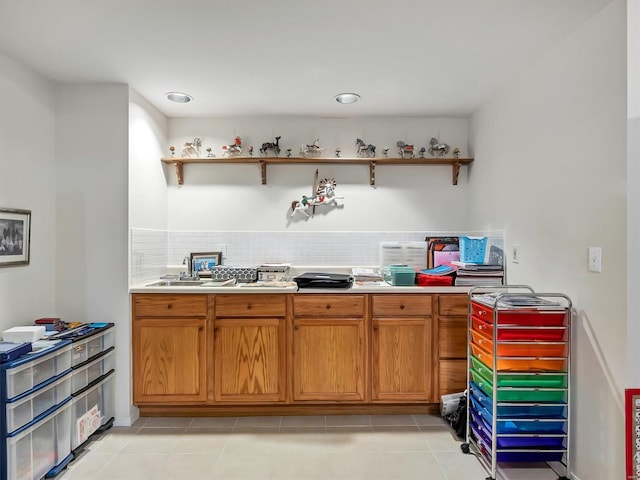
(452,343)
(401,365)
(296,353)
(329,348)
(169,349)
(250,348)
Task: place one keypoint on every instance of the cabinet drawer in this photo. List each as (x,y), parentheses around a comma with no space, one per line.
(401,305)
(170,305)
(453,337)
(250,305)
(452,304)
(328,305)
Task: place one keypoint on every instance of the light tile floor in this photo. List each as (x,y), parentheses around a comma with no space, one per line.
(349,447)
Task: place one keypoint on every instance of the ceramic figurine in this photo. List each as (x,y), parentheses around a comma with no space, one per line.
(233,150)
(405,149)
(313,149)
(251,150)
(422,150)
(338,152)
(435,147)
(288,152)
(324,194)
(364,149)
(192,149)
(273,146)
(209,154)
(172,149)
(385,152)
(456,152)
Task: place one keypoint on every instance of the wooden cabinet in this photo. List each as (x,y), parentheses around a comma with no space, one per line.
(250,348)
(329,348)
(169,348)
(452,343)
(401,365)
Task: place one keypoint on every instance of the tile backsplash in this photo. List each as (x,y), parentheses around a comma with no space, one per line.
(153,250)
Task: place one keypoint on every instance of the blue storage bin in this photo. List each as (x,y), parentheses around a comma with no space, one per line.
(472,249)
(531,426)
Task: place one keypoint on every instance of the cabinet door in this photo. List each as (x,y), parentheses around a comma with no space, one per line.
(329,359)
(453,376)
(169,360)
(401,366)
(250,360)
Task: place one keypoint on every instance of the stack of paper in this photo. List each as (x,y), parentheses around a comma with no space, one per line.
(363,275)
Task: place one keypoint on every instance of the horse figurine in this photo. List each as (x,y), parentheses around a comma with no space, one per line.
(368,150)
(192,149)
(273,146)
(325,194)
(440,148)
(405,149)
(313,149)
(234,149)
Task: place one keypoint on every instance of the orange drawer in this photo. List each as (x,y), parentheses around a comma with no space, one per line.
(170,305)
(521,316)
(328,305)
(519,364)
(520,349)
(394,305)
(250,305)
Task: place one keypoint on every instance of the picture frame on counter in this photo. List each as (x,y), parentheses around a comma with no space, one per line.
(204,262)
(15,237)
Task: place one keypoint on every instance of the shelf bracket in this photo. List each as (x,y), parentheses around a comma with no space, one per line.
(178,166)
(372,173)
(455,171)
(263,169)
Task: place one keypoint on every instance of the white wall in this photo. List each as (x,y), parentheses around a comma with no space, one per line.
(231,197)
(27,181)
(550,170)
(91,205)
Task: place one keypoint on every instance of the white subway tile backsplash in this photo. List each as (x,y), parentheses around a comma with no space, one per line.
(153,250)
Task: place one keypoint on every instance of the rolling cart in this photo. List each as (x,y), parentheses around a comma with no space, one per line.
(518,377)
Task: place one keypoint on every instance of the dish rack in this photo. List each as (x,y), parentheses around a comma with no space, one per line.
(518,369)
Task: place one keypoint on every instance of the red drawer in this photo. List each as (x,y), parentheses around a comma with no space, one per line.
(521,316)
(543,333)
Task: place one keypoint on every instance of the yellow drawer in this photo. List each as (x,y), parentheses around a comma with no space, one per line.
(394,305)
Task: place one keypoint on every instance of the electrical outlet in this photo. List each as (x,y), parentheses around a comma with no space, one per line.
(595,259)
(515,254)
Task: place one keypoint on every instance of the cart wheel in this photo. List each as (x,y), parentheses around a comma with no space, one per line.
(563,478)
(465,448)
(489,478)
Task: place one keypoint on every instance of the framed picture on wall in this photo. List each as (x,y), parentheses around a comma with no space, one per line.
(15,235)
(203,262)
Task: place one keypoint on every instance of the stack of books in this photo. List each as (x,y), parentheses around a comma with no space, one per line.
(473,274)
(367,275)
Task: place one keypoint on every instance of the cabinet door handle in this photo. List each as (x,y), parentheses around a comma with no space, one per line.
(216,330)
(297,327)
(375,327)
(200,328)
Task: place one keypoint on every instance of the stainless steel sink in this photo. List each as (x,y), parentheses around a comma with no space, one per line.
(176,283)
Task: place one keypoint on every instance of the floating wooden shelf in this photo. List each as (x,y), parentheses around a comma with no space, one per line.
(455,163)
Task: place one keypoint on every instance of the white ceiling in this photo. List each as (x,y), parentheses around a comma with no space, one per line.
(254,57)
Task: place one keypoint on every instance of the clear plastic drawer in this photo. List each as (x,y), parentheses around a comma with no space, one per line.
(92,409)
(93,345)
(84,375)
(23,378)
(36,450)
(24,410)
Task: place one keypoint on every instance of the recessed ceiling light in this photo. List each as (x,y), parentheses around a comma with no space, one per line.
(347,97)
(179,97)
